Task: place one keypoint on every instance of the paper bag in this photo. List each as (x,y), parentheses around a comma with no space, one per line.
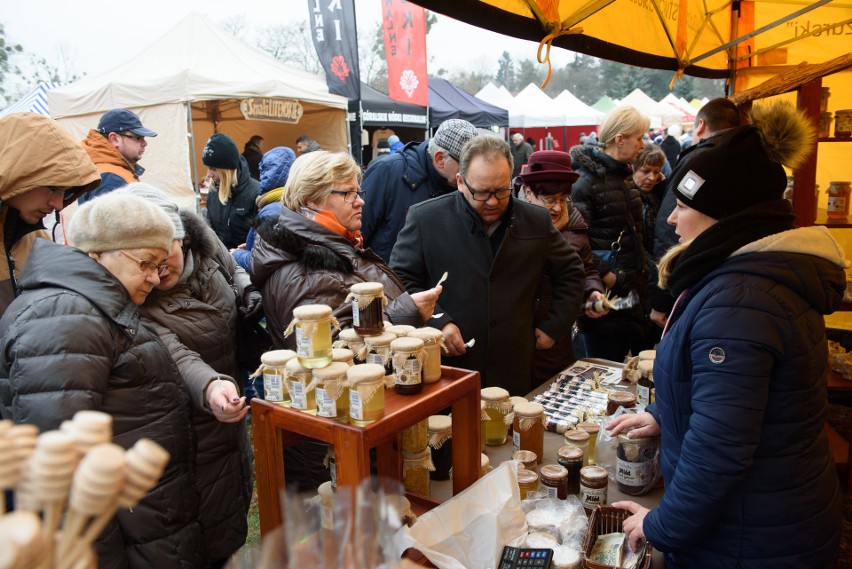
(470,530)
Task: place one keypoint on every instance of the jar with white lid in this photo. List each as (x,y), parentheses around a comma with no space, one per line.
(366,393)
(312,324)
(331,391)
(499,410)
(379,350)
(368,308)
(343,355)
(433,340)
(300,385)
(399,330)
(350,340)
(272,365)
(408,355)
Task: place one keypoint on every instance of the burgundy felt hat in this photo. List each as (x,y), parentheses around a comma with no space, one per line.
(549,166)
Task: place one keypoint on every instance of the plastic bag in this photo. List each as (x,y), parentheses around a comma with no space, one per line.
(606,445)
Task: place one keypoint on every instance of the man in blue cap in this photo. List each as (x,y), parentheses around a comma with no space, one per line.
(116,147)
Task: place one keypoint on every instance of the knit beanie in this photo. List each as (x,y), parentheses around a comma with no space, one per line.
(159,199)
(275,168)
(221,152)
(119,220)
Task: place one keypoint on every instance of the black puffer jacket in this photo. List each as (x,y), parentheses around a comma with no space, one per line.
(297,261)
(73,340)
(609,207)
(231,221)
(197,320)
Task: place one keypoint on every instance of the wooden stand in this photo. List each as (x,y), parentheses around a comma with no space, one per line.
(276,427)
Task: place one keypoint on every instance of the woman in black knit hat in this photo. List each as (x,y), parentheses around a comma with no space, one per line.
(231,203)
(740,372)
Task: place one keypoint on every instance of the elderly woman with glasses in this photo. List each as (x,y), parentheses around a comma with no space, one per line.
(547,182)
(73,340)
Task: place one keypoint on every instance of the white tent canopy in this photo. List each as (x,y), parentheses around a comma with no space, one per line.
(577,112)
(189,83)
(497,96)
(681,106)
(659,115)
(534,109)
(33,102)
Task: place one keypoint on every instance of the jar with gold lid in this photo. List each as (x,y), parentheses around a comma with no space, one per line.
(366,393)
(433,342)
(300,385)
(416,467)
(368,308)
(528,428)
(554,480)
(441,443)
(407,356)
(379,350)
(499,411)
(350,340)
(312,324)
(331,391)
(594,482)
(527,482)
(618,399)
(272,367)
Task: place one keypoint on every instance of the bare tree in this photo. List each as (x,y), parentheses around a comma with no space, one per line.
(291,44)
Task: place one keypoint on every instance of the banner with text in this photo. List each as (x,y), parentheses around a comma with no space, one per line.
(404,26)
(336,41)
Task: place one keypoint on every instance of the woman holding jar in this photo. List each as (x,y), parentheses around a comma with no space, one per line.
(740,373)
(312,253)
(614,214)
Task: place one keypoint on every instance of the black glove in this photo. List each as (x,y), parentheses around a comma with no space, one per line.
(252,308)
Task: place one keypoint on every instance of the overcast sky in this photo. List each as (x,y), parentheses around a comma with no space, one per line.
(97,35)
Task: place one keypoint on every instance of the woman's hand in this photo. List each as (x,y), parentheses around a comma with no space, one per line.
(425,301)
(633,530)
(644,425)
(225,402)
(595,296)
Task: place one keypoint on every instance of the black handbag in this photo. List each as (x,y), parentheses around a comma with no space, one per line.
(610,256)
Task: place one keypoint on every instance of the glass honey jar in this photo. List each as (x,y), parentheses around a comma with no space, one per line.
(645,383)
(343,355)
(593,429)
(528,428)
(331,391)
(350,340)
(272,365)
(312,324)
(407,356)
(618,399)
(527,482)
(433,341)
(366,393)
(416,467)
(554,480)
(399,330)
(378,350)
(499,411)
(368,308)
(594,483)
(578,438)
(441,443)
(301,387)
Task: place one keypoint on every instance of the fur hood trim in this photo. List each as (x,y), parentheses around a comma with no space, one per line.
(596,161)
(316,252)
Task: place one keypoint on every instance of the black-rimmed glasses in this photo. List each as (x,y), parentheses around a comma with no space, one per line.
(349,196)
(485,196)
(135,137)
(147,266)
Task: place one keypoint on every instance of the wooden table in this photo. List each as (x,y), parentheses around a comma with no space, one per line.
(276,426)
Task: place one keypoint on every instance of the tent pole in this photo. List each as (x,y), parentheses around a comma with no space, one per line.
(196,189)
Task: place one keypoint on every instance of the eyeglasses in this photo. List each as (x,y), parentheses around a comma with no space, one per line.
(147,266)
(135,137)
(56,189)
(550,201)
(485,196)
(350,196)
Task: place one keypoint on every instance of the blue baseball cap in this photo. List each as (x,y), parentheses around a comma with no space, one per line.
(120,120)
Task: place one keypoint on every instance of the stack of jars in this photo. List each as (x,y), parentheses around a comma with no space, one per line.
(416,458)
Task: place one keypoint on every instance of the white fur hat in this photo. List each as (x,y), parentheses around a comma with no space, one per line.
(119,220)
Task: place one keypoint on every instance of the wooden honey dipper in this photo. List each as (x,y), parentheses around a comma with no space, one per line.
(20,441)
(90,428)
(22,541)
(145,463)
(97,483)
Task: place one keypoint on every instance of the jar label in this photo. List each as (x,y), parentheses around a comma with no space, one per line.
(551,491)
(304,344)
(634,473)
(516,440)
(356,313)
(298,397)
(591,498)
(356,407)
(374,358)
(643,395)
(326,406)
(273,387)
(332,469)
(836,204)
(411,372)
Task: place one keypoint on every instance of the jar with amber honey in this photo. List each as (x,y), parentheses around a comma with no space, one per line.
(312,324)
(379,350)
(528,428)
(594,482)
(366,393)
(433,342)
(527,482)
(300,385)
(838,200)
(645,383)
(571,458)
(407,356)
(368,308)
(554,479)
(618,399)
(499,411)
(331,391)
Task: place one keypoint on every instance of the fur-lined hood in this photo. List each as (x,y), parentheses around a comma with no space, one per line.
(199,239)
(598,163)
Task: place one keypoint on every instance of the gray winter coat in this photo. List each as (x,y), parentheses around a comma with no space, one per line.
(297,261)
(197,321)
(73,340)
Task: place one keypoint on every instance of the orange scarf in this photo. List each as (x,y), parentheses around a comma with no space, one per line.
(328,220)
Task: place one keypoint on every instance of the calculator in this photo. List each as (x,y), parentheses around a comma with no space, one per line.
(525,557)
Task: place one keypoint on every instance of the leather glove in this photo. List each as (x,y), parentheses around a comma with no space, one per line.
(252,308)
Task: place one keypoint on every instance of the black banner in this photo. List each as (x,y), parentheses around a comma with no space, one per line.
(336,41)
